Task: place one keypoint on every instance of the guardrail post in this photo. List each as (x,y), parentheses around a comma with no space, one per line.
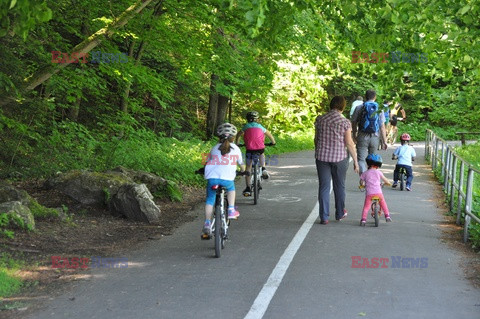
(446,169)
(453,183)
(468,204)
(460,190)
(435,154)
(427,144)
(442,160)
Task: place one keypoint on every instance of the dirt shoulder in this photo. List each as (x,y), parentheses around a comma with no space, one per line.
(87,232)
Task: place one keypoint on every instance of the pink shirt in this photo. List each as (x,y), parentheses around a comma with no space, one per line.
(254,136)
(372,178)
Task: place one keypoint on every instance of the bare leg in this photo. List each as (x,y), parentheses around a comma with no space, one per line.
(208,212)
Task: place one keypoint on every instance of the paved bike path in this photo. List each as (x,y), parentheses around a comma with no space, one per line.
(178,277)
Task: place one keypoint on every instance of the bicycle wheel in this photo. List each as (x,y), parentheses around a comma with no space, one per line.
(255,183)
(225,224)
(375,208)
(401,176)
(218,230)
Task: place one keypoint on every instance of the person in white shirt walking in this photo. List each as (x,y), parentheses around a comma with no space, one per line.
(357,102)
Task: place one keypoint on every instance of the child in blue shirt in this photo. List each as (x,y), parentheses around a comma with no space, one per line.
(405,154)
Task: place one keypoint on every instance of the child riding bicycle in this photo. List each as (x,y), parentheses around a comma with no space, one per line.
(220,169)
(371,179)
(254,138)
(405,155)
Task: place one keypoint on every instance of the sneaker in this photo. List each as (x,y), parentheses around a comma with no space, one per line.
(324,222)
(265,174)
(394,184)
(408,188)
(345,214)
(207,230)
(363,222)
(247,192)
(388,219)
(233,214)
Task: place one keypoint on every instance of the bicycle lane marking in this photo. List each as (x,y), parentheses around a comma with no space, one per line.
(261,303)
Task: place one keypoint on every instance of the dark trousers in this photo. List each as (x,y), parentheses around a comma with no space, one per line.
(329,172)
(409,174)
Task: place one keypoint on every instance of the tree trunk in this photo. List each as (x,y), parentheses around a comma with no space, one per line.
(212,107)
(230,110)
(126,91)
(158,11)
(84,47)
(222,109)
(74,110)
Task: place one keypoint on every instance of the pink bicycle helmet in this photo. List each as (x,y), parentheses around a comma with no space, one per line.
(405,137)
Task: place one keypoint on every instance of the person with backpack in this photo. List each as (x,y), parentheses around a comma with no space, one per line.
(368,128)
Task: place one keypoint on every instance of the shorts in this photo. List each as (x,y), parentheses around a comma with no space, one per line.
(229,185)
(253,154)
(393,120)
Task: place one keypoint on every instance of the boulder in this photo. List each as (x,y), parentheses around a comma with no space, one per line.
(86,187)
(154,183)
(9,193)
(16,208)
(135,202)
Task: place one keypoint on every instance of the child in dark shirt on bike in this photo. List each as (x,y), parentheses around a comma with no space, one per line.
(405,155)
(372,179)
(220,169)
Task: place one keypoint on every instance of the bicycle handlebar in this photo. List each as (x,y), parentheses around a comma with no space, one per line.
(267,144)
(201,171)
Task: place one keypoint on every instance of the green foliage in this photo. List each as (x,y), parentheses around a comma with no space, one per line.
(173,192)
(4,223)
(20,16)
(9,283)
(42,212)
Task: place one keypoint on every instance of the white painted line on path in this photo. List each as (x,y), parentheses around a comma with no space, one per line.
(263,299)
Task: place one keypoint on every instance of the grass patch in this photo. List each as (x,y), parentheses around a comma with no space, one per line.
(9,283)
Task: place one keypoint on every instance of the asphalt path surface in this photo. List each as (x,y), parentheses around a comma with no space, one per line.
(281,263)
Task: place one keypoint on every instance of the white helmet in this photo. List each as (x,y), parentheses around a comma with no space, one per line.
(226,130)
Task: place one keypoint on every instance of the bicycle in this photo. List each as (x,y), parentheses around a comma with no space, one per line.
(220,222)
(256,173)
(376,210)
(393,132)
(402,177)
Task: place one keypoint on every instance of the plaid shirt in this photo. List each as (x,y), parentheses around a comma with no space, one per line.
(330,137)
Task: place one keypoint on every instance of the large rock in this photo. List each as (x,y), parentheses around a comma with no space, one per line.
(8,193)
(88,188)
(16,208)
(154,183)
(135,202)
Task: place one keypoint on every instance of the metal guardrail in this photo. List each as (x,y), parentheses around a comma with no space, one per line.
(443,156)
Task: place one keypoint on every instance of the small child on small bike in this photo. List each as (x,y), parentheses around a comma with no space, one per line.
(372,179)
(220,169)
(254,138)
(405,154)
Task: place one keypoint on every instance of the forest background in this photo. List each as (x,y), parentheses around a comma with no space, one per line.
(194,64)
